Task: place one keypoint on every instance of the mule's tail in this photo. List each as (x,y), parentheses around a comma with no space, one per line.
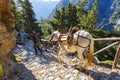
(90,53)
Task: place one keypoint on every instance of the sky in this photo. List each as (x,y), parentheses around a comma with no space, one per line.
(43,8)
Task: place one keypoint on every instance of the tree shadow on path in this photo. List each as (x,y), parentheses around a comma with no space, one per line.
(20,72)
(104,72)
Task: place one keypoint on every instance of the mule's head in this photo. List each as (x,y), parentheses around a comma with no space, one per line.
(55,36)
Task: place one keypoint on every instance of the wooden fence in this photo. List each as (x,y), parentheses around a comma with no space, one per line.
(117,55)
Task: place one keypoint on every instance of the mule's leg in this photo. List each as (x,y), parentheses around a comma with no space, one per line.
(81,58)
(90,55)
(59,56)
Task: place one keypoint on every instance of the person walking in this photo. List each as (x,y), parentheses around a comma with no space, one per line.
(21,36)
(37,43)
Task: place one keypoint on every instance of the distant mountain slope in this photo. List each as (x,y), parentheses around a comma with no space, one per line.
(105,10)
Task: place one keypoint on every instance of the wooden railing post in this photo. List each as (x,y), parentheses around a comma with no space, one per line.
(116,57)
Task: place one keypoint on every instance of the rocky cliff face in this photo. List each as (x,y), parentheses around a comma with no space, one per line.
(7,35)
(104,13)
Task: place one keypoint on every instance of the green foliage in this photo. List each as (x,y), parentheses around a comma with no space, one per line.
(29,16)
(72,16)
(1,70)
(65,18)
(25,16)
(108,62)
(46,28)
(58,21)
(87,19)
(18,15)
(109,53)
(75,16)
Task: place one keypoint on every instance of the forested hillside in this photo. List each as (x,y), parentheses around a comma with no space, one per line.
(104,11)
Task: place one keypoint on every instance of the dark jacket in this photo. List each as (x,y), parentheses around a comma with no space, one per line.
(36,39)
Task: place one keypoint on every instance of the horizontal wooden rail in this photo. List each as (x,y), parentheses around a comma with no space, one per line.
(44,40)
(106,47)
(99,39)
(108,39)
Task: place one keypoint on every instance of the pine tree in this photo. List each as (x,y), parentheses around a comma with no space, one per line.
(65,18)
(72,15)
(18,15)
(92,16)
(82,14)
(59,21)
(89,19)
(56,20)
(29,16)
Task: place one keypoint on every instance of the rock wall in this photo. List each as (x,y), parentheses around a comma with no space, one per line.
(7,36)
